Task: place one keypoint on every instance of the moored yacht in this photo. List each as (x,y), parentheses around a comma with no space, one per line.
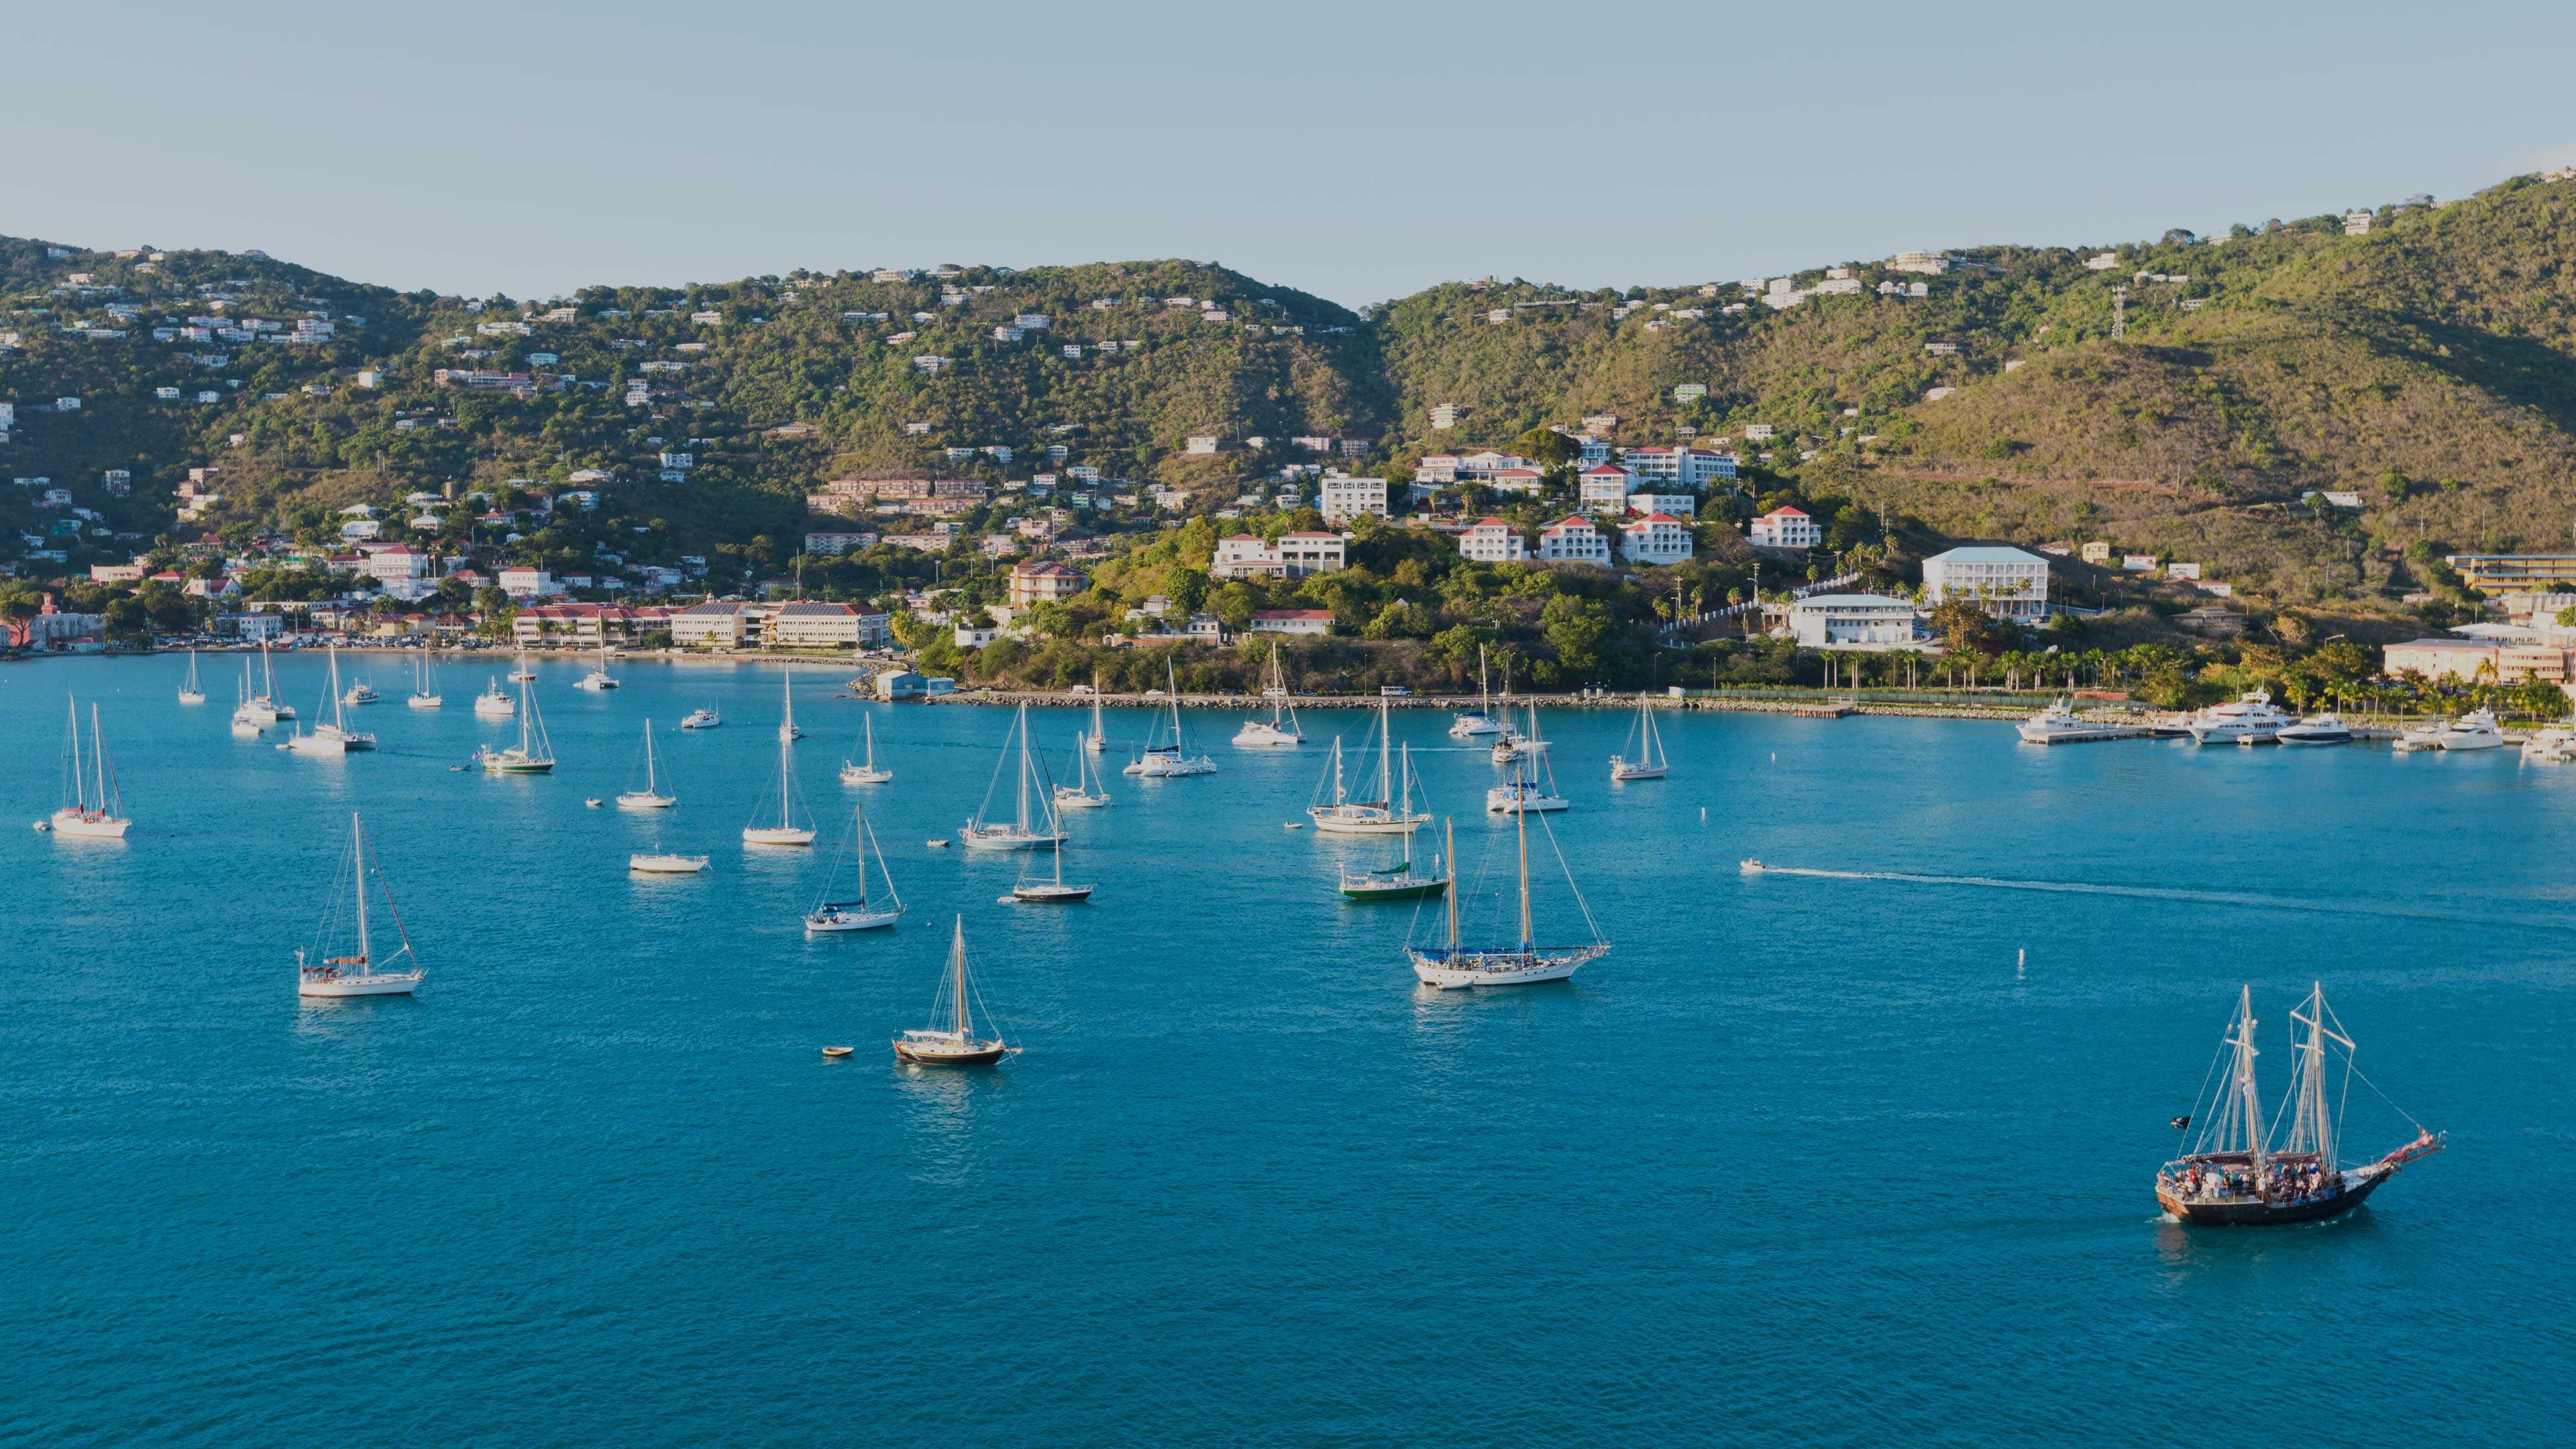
(1032,822)
(191,690)
(1281,728)
(92,805)
(355,973)
(2475,730)
(1453,965)
(1388,810)
(2248,716)
(2059,724)
(701,719)
(1523,794)
(2550,745)
(1478,722)
(2316,729)
(955,1044)
(534,754)
(495,702)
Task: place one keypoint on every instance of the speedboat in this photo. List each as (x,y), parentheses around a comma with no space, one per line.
(2249,716)
(2316,729)
(1750,865)
(2059,724)
(2475,730)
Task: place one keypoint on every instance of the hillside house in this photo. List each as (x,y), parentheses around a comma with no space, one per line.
(1657,538)
(1492,541)
(1573,539)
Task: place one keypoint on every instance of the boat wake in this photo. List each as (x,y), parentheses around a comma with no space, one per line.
(2249,899)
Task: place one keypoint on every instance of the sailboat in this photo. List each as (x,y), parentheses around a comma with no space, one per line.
(1382,813)
(862,914)
(190,691)
(1453,965)
(1088,791)
(956,1044)
(1025,830)
(355,974)
(334,737)
(1096,742)
(1513,745)
(2235,1177)
(92,805)
(1051,891)
(1163,761)
(865,770)
(534,754)
(249,717)
(495,702)
(788,733)
(786,831)
(522,674)
(424,683)
(1524,794)
(598,678)
(1398,882)
(1471,724)
(262,707)
(1274,731)
(1650,763)
(651,796)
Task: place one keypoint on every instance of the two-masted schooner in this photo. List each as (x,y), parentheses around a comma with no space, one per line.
(356,972)
(92,807)
(2243,1169)
(957,1043)
(1454,964)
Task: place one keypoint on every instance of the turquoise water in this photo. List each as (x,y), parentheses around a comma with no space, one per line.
(1805,1159)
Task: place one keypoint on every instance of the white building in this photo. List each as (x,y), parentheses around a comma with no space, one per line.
(528,583)
(1311,622)
(714,625)
(1344,499)
(1657,538)
(810,625)
(1605,488)
(1201,444)
(1573,539)
(1680,505)
(1786,527)
(1689,467)
(1492,541)
(2009,583)
(1828,621)
(2356,223)
(396,565)
(1294,556)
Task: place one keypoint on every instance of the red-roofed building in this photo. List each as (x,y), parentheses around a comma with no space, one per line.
(1492,541)
(1572,539)
(1045,583)
(1657,538)
(1786,527)
(1292,621)
(1604,488)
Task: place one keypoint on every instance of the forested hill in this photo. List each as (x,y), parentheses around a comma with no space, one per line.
(2429,365)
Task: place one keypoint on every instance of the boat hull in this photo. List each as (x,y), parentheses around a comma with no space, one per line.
(933,1056)
(1376,824)
(2322,737)
(1080,802)
(1263,737)
(2264,1214)
(840,921)
(317,745)
(775,835)
(395,983)
(861,775)
(1051,895)
(1497,803)
(426,701)
(1006,840)
(645,802)
(1462,970)
(81,827)
(1406,891)
(1638,772)
(667,864)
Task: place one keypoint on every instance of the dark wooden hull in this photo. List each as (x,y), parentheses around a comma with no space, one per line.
(1402,891)
(952,1059)
(2263,1214)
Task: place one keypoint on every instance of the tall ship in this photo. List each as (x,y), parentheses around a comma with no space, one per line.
(2237,1174)
(357,972)
(1281,728)
(954,1039)
(1455,963)
(2250,716)
(1386,810)
(92,806)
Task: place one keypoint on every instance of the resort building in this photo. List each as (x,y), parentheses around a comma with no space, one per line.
(2007,582)
(1573,540)
(1492,541)
(1605,488)
(1295,555)
(1345,498)
(714,625)
(1786,527)
(2497,573)
(812,625)
(1852,621)
(2467,660)
(1657,538)
(1689,467)
(1045,583)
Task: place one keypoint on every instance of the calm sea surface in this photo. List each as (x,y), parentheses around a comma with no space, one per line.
(1805,1159)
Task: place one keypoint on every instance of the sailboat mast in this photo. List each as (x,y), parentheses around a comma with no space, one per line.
(1449,843)
(786,763)
(358,882)
(1520,817)
(2247,1101)
(337,722)
(98,757)
(957,979)
(652,786)
(80,768)
(1385,737)
(859,830)
(1021,726)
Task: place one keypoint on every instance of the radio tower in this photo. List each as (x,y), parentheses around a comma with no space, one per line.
(2119,312)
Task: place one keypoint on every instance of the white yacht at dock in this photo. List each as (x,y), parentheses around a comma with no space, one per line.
(2250,716)
(2059,724)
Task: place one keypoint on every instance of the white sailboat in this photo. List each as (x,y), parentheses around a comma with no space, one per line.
(93,807)
(1050,890)
(1088,791)
(424,683)
(1167,761)
(955,1044)
(1275,731)
(522,674)
(1096,742)
(865,770)
(333,737)
(1650,763)
(190,691)
(1387,812)
(1033,822)
(1454,965)
(262,707)
(495,702)
(598,678)
(1480,721)
(656,863)
(356,973)
(786,831)
(864,913)
(534,754)
(1524,794)
(1515,745)
(651,796)
(248,718)
(788,733)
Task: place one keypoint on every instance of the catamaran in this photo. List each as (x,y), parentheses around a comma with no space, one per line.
(598,678)
(1470,724)
(335,737)
(92,805)
(1088,791)
(788,733)
(862,914)
(424,683)
(1167,761)
(955,1044)
(701,719)
(1386,812)
(1524,793)
(2233,1176)
(1452,965)
(865,770)
(1650,763)
(651,796)
(1274,731)
(1398,882)
(786,831)
(190,691)
(355,974)
(534,754)
(495,702)
(1513,745)
(1028,827)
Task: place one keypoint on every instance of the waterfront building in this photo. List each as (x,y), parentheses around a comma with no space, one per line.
(714,625)
(1852,621)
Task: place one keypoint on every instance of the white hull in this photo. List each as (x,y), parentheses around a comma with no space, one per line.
(1095,744)
(1473,726)
(511,762)
(1005,838)
(862,775)
(2470,742)
(1262,735)
(594,682)
(1501,801)
(1172,769)
(1436,971)
(666,864)
(1373,822)
(1639,772)
(495,706)
(776,835)
(360,696)
(645,800)
(426,701)
(850,921)
(74,823)
(192,696)
(256,716)
(1078,801)
(2231,734)
(705,719)
(317,745)
(392,983)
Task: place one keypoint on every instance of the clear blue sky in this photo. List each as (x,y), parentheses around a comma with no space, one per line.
(1359,151)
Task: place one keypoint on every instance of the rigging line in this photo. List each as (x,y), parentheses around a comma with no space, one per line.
(1568,872)
(2197,1115)
(378,862)
(2355,1068)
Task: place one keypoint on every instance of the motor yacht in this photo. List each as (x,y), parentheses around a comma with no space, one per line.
(2316,729)
(2475,730)
(2550,745)
(701,719)
(2248,716)
(2059,724)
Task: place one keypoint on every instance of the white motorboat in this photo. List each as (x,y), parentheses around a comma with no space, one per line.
(1513,744)
(1478,722)
(1387,811)
(356,973)
(788,733)
(1170,760)
(2475,730)
(1453,966)
(865,770)
(598,678)
(360,693)
(651,796)
(2550,745)
(93,808)
(786,831)
(1088,791)
(1280,730)
(190,691)
(864,913)
(2059,724)
(1524,794)
(1033,820)
(495,702)
(2316,729)
(956,1044)
(1650,762)
(534,754)
(2248,716)
(424,684)
(643,863)
(701,719)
